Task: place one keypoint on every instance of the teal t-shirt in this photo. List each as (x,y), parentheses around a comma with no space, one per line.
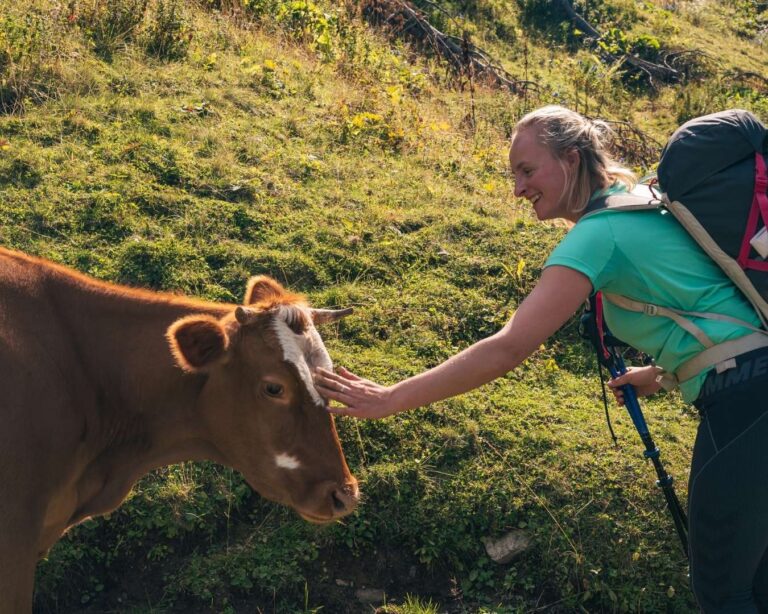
(648,256)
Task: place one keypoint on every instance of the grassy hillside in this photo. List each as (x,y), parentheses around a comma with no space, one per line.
(185,146)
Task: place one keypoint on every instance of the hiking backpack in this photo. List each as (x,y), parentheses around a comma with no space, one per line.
(713,180)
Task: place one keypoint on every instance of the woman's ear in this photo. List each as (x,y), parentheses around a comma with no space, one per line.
(573,159)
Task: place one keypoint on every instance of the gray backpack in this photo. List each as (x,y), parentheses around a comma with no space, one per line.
(713,180)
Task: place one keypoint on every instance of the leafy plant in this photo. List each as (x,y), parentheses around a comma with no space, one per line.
(30,44)
(111,25)
(290,138)
(169,34)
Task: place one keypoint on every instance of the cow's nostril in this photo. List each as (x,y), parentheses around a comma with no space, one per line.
(339,504)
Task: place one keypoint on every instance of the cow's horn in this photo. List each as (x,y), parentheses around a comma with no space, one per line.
(322,316)
(245,315)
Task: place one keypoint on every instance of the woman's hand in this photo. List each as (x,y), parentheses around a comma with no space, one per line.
(643,379)
(361,398)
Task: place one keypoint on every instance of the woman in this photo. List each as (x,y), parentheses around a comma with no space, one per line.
(560,165)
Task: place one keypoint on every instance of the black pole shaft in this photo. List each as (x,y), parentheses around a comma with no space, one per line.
(666,483)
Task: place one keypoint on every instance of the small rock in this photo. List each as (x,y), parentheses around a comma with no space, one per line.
(370,595)
(340,582)
(507,547)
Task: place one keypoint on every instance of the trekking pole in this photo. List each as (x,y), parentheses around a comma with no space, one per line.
(593,328)
(665,481)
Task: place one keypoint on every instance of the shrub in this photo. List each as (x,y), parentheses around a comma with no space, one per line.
(169,34)
(541,15)
(111,25)
(29,46)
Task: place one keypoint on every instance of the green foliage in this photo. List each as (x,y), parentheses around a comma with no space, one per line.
(30,44)
(111,24)
(269,563)
(544,16)
(711,96)
(750,18)
(617,42)
(609,12)
(169,34)
(303,19)
(549,18)
(412,605)
(21,172)
(293,140)
(167,264)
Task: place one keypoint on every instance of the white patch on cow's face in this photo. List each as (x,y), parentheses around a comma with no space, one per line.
(286,461)
(305,351)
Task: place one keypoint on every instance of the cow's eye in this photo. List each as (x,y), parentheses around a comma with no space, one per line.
(273,390)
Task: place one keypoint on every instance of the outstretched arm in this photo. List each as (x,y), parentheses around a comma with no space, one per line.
(555,298)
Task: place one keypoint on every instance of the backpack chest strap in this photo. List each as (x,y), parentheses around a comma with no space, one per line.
(718,355)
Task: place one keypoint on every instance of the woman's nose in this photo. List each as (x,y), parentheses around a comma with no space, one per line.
(519,188)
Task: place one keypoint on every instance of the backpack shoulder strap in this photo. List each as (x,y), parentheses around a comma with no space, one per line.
(639,199)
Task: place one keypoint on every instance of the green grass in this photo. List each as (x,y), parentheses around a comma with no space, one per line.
(196,148)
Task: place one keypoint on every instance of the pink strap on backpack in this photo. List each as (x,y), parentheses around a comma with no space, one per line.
(759,210)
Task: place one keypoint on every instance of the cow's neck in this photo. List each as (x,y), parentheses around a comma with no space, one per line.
(143,412)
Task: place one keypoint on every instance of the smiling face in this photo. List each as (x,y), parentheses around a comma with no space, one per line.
(541,177)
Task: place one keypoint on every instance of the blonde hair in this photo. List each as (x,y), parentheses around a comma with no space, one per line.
(562,131)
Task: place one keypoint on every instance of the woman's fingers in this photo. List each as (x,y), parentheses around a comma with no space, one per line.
(616,382)
(360,398)
(328,376)
(349,375)
(331,381)
(335,393)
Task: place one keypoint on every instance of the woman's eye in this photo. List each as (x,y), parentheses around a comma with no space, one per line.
(273,390)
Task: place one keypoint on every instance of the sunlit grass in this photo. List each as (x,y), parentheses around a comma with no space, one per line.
(353,174)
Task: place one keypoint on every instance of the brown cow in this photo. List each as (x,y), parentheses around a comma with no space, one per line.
(100,384)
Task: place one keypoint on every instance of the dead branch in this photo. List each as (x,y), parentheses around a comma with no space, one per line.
(653,72)
(632,146)
(464,58)
(753,80)
(578,21)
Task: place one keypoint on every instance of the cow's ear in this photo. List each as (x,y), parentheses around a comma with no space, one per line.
(262,289)
(197,342)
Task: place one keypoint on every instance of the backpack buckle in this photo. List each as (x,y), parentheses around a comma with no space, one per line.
(651,310)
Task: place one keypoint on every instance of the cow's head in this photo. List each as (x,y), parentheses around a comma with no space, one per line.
(259,402)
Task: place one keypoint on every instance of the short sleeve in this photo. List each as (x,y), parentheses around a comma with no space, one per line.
(588,248)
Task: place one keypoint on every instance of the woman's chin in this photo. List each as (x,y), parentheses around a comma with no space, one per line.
(541,215)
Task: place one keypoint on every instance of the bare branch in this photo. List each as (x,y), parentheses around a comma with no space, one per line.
(652,71)
(632,146)
(753,80)
(463,57)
